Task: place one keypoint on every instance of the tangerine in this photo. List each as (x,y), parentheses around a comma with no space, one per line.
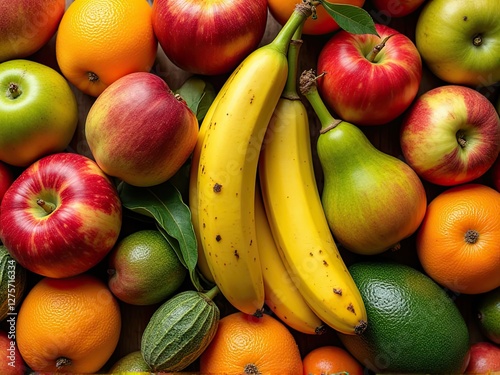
(245,344)
(99,41)
(68,325)
(458,242)
(329,360)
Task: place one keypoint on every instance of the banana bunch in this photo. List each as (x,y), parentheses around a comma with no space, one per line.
(223,196)
(274,249)
(297,220)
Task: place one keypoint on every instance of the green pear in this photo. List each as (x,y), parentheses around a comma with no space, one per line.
(371,200)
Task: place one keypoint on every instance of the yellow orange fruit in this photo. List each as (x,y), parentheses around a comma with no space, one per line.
(245,344)
(68,325)
(458,242)
(331,360)
(99,41)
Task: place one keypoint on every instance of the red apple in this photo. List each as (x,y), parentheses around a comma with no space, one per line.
(27,25)
(61,216)
(366,82)
(484,358)
(139,131)
(450,135)
(209,37)
(386,9)
(6,179)
(11,363)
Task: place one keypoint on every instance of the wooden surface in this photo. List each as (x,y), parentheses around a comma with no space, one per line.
(384,137)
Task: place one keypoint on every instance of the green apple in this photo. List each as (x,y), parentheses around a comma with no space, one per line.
(38,112)
(460,40)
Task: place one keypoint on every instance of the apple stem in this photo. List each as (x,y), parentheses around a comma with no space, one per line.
(461,139)
(477,40)
(62,362)
(47,206)
(374,52)
(308,88)
(14,91)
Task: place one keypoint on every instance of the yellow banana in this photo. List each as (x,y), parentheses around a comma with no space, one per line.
(228,168)
(297,220)
(281,294)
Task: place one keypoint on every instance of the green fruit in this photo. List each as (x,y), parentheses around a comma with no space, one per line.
(12,283)
(180,330)
(144,269)
(371,200)
(38,112)
(132,362)
(488,308)
(413,325)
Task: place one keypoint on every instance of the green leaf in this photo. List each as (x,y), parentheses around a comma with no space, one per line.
(351,18)
(198,94)
(164,204)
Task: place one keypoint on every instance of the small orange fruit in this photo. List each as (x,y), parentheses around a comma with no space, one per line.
(68,325)
(458,242)
(331,360)
(245,344)
(323,23)
(99,41)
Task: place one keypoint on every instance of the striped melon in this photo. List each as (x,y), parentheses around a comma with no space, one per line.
(180,330)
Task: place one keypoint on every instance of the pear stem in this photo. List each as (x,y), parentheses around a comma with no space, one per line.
(309,89)
(13,90)
(47,206)
(375,51)
(301,12)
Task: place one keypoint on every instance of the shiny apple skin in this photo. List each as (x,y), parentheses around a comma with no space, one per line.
(27,25)
(364,92)
(429,139)
(484,358)
(78,233)
(139,131)
(208,37)
(459,40)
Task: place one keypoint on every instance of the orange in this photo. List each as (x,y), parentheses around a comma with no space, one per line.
(99,41)
(245,344)
(281,10)
(330,360)
(458,242)
(68,325)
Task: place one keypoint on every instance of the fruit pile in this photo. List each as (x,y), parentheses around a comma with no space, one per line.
(265,187)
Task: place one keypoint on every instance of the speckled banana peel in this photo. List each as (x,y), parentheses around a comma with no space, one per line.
(227,170)
(297,220)
(281,294)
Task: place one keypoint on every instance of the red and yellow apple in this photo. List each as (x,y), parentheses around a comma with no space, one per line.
(38,112)
(208,37)
(484,358)
(450,135)
(27,25)
(369,80)
(61,216)
(139,131)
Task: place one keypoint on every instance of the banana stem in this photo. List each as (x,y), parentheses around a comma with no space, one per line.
(309,89)
(290,90)
(301,12)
